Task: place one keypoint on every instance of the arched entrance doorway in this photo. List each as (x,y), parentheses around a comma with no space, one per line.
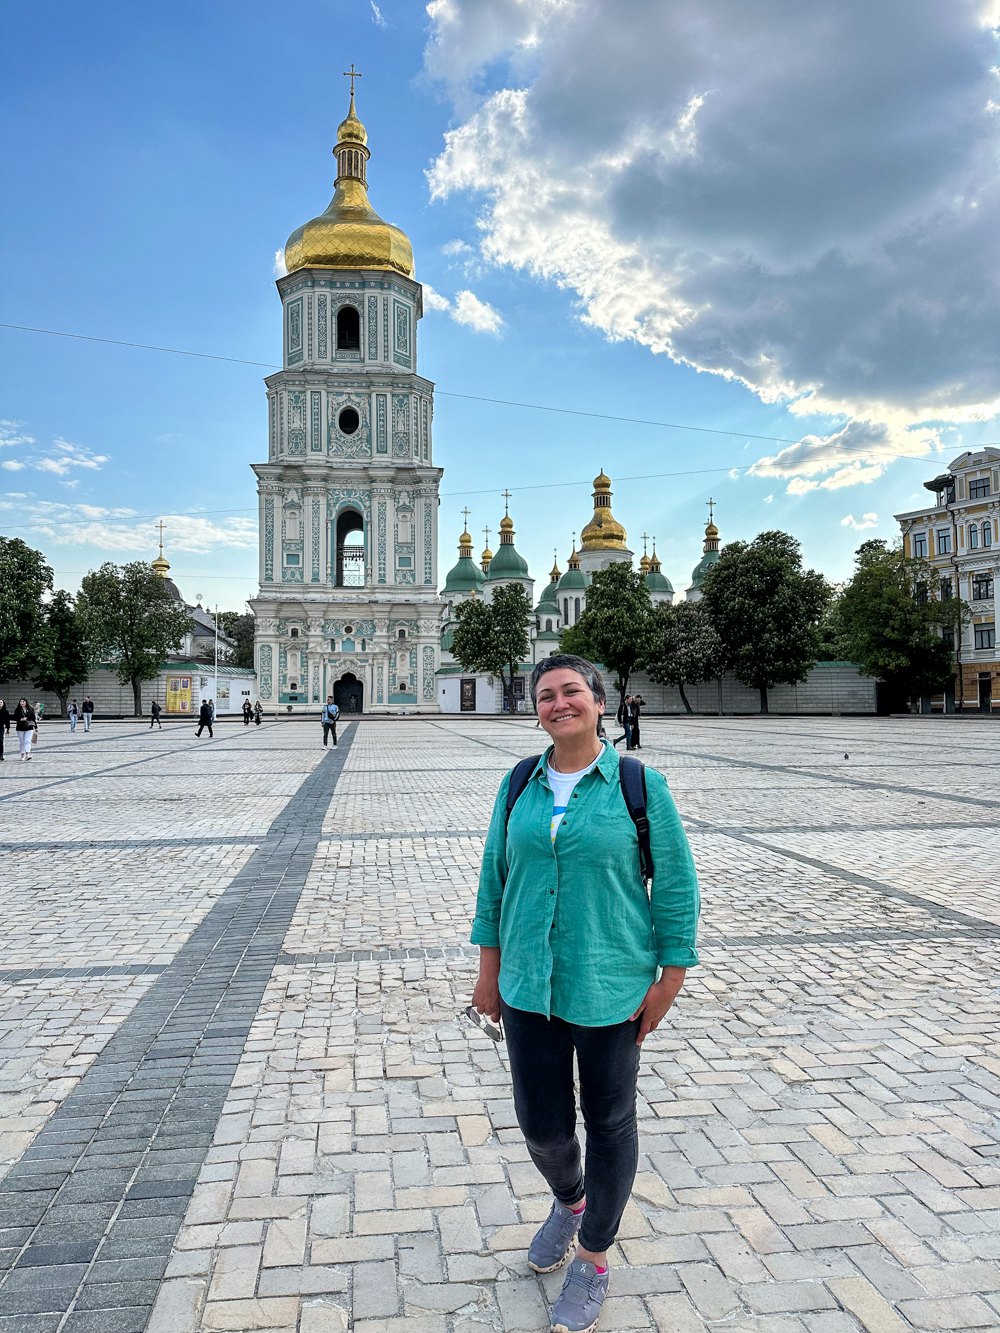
(349,694)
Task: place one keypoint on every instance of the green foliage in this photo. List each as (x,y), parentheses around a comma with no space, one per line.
(618,628)
(129,617)
(24,577)
(766,610)
(239,625)
(493,637)
(688,650)
(60,653)
(890,623)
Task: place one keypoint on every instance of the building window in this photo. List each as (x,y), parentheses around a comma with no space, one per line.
(401,634)
(292,559)
(943,541)
(920,546)
(920,594)
(348,421)
(402,686)
(979,489)
(293,632)
(548,626)
(987,534)
(566,609)
(949,494)
(973,536)
(576,607)
(982,587)
(944,590)
(986,636)
(348,329)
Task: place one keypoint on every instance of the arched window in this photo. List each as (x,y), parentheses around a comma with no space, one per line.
(973,536)
(576,608)
(566,609)
(348,329)
(401,634)
(350,547)
(987,534)
(548,625)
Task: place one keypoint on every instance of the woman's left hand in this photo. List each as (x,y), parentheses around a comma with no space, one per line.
(659,998)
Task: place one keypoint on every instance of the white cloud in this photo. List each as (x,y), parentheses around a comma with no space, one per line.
(861,524)
(466,309)
(818,228)
(457,249)
(109,529)
(377,16)
(12,436)
(66,456)
(768,499)
(278,263)
(12,465)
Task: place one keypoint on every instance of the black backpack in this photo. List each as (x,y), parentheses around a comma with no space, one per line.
(631,775)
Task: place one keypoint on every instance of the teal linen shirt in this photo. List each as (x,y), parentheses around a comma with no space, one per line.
(580,937)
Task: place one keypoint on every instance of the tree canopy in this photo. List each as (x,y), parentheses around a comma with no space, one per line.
(688,650)
(130,618)
(618,627)
(890,622)
(60,657)
(766,609)
(239,625)
(24,578)
(492,636)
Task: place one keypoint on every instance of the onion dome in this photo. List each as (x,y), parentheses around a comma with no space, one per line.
(709,558)
(574,579)
(547,603)
(350,234)
(507,564)
(486,559)
(603,532)
(656,581)
(644,563)
(465,577)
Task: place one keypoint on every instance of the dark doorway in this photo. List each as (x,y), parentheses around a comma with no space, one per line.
(985,693)
(348,329)
(350,554)
(349,694)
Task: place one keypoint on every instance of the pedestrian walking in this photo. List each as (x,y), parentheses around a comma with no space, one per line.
(258,713)
(624,719)
(205,718)
(329,717)
(154,715)
(247,712)
(88,712)
(74,715)
(638,702)
(211,707)
(4,725)
(578,956)
(26,726)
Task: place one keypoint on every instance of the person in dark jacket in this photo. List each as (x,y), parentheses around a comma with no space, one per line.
(205,718)
(258,713)
(88,712)
(624,719)
(154,715)
(328,716)
(247,712)
(4,725)
(25,724)
(638,702)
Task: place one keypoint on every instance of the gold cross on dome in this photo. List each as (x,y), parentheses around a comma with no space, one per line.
(711,508)
(352,74)
(486,534)
(160,526)
(506,503)
(645,539)
(465,513)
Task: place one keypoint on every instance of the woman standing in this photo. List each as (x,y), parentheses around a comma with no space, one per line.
(74,715)
(247,712)
(25,724)
(577,957)
(4,725)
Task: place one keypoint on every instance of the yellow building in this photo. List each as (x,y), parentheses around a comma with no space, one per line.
(959,536)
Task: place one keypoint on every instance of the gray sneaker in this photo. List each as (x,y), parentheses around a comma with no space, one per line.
(553,1241)
(579,1305)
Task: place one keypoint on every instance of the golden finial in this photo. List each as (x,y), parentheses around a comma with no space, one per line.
(465,514)
(711,509)
(506,503)
(161,564)
(352,74)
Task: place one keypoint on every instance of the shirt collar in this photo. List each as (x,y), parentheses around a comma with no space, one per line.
(607,764)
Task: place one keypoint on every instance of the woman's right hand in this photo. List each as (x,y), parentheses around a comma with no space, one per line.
(486,996)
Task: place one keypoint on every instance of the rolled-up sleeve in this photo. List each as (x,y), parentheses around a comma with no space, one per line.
(492,876)
(674,898)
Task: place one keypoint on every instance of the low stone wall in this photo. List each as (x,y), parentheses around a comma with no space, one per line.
(831,687)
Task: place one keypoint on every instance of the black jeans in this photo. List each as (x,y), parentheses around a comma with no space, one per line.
(205,724)
(541,1062)
(327,728)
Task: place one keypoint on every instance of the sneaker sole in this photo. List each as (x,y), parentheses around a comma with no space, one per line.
(564,1328)
(559,1262)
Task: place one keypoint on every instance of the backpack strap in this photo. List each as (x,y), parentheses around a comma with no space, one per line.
(520,776)
(632,776)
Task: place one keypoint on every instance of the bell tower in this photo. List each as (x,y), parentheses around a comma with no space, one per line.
(348,497)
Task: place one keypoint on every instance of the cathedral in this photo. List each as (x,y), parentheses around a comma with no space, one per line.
(348,602)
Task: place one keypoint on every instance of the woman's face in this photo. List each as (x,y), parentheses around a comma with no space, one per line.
(566,706)
(23,703)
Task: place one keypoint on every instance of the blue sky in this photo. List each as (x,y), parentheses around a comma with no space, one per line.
(773,223)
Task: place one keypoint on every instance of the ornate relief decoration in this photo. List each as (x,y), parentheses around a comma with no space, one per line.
(273,431)
(321,302)
(357,445)
(381,537)
(264,655)
(400,425)
(380,683)
(428,674)
(315,576)
(268,540)
(339,496)
(385,328)
(401,330)
(405,576)
(292,574)
(425,432)
(316,422)
(296,421)
(363,629)
(381,429)
(428,544)
(281,422)
(295,330)
(372,328)
(309,328)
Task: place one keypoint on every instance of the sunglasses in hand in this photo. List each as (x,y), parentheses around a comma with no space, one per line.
(485,1024)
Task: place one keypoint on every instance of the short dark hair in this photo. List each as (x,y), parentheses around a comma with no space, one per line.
(569,662)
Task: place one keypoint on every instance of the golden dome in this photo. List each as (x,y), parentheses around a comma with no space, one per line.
(487,554)
(603,532)
(644,564)
(711,530)
(161,565)
(350,234)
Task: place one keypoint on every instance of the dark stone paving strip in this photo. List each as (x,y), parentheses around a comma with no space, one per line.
(17,974)
(407,837)
(131,844)
(103,1188)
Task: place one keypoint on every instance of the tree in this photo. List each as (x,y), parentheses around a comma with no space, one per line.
(892,627)
(24,577)
(618,627)
(239,625)
(61,659)
(129,616)
(766,608)
(688,651)
(493,636)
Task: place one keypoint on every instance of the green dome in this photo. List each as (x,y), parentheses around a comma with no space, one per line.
(547,602)
(507,564)
(657,582)
(465,577)
(701,569)
(572,581)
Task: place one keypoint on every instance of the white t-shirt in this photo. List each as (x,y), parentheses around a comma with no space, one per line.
(562,785)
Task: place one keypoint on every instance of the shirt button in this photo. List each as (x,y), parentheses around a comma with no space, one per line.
(552,893)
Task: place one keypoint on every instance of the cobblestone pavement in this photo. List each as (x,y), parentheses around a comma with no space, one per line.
(235,1092)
